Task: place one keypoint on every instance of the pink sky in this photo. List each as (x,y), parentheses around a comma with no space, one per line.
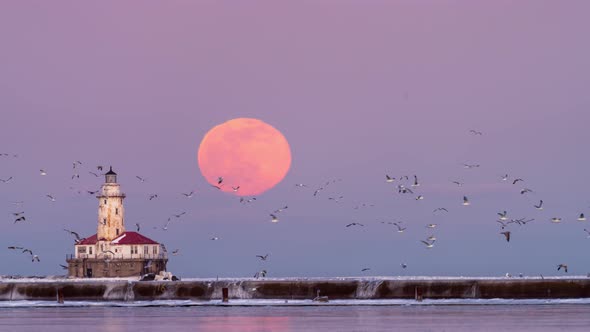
(358,88)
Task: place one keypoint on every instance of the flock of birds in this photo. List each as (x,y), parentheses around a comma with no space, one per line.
(403,185)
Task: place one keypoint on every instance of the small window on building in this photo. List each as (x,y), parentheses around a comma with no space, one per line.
(105,201)
(116,210)
(117,231)
(81,250)
(134,250)
(102,247)
(146,250)
(104,221)
(90,250)
(155,250)
(116,250)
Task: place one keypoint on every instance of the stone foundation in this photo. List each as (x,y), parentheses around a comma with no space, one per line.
(101,268)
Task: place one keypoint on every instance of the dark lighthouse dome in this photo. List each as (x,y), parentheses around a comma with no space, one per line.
(110,176)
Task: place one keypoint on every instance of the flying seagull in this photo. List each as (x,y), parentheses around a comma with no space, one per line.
(354,224)
(92,192)
(505,177)
(469,166)
(388,178)
(76,235)
(525,190)
(587,232)
(365,269)
(15,248)
(138,226)
(400,229)
(503,215)
(556,220)
(6,180)
(51,197)
(431,238)
(507,235)
(215,238)
(260,274)
(153,196)
(335,199)
(501,223)
(458,183)
(242,200)
(517,180)
(219,180)
(175,252)
(235,189)
(262,257)
(431,226)
(189,195)
(63,267)
(281,209)
(180,214)
(142,180)
(403,190)
(419,197)
(540,205)
(415,184)
(580,218)
(475,132)
(429,245)
(404,265)
(273,218)
(440,209)
(96,175)
(560,266)
(43,172)
(466,201)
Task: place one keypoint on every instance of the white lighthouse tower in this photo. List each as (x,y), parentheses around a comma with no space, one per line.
(111,221)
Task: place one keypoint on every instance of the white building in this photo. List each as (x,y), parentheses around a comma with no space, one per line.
(113,251)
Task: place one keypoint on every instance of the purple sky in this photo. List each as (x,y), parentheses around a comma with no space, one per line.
(358,88)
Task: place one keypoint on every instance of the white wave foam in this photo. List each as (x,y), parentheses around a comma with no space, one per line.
(262,302)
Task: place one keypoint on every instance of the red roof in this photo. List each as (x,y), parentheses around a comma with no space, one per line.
(88,240)
(125,238)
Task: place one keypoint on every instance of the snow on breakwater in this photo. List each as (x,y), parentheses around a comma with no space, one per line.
(373,288)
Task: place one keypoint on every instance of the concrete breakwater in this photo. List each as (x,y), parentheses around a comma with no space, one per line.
(295,289)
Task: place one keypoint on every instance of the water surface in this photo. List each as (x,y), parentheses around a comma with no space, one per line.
(551,317)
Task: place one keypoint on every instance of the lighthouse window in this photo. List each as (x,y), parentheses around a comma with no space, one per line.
(146,250)
(117,231)
(116,211)
(155,249)
(90,250)
(81,250)
(105,201)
